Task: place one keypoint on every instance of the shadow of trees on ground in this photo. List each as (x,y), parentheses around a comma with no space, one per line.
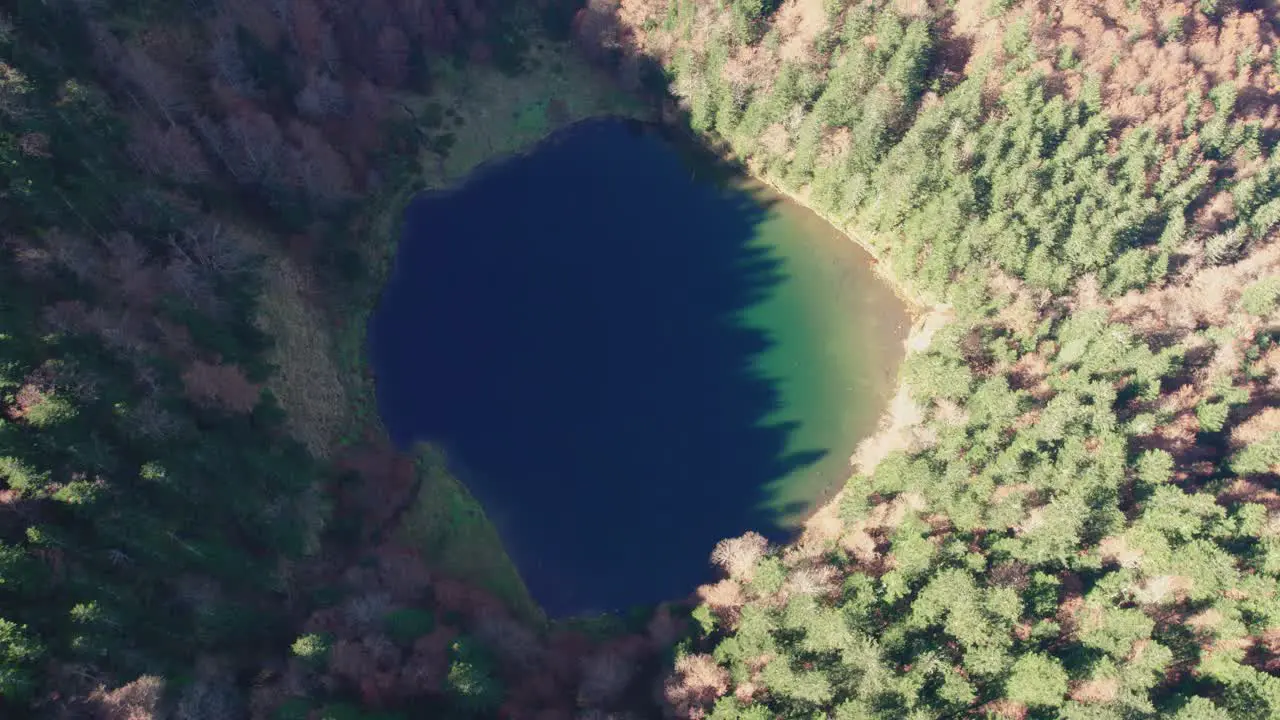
(567,326)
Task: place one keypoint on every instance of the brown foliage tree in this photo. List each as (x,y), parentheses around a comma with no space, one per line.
(32,261)
(596,28)
(36,388)
(309,31)
(697,682)
(664,629)
(322,96)
(387,479)
(321,171)
(255,149)
(515,644)
(391,62)
(120,329)
(169,151)
(470,14)
(357,659)
(258,18)
(156,83)
(564,651)
(149,420)
(370,106)
(183,277)
(136,74)
(427,666)
(220,386)
(227,63)
(466,600)
(129,274)
(725,598)
(605,675)
(76,254)
(66,316)
(214,248)
(401,572)
(34,144)
(138,700)
(439,27)
(372,15)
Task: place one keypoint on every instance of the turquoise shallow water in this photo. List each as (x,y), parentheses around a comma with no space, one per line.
(627,356)
(839,334)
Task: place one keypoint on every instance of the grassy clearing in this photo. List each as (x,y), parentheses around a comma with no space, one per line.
(450,527)
(307,382)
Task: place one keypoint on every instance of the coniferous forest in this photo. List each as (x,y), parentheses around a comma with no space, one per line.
(1072,509)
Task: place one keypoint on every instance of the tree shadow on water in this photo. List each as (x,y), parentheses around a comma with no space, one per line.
(568,326)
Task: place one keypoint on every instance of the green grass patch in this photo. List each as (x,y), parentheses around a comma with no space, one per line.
(451,529)
(498,115)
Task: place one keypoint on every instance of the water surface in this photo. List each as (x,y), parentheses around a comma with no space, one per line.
(627,358)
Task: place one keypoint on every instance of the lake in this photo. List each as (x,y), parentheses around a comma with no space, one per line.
(628,353)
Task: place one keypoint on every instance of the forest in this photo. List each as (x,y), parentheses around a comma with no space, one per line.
(1072,509)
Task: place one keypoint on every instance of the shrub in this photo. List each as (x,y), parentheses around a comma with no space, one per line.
(313,648)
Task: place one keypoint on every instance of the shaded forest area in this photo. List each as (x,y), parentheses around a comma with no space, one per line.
(1073,513)
(167,547)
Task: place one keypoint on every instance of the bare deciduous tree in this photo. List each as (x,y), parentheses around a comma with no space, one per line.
(156,83)
(221,386)
(402,572)
(215,248)
(78,255)
(249,144)
(307,30)
(372,15)
(320,169)
(370,106)
(32,261)
(170,151)
(120,329)
(258,148)
(367,611)
(66,316)
(182,276)
(228,65)
(739,556)
(596,28)
(322,96)
(605,675)
(261,19)
(149,420)
(697,682)
(392,56)
(128,274)
(213,694)
(34,144)
(511,640)
(138,700)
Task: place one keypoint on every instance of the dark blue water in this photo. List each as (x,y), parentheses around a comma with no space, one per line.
(568,326)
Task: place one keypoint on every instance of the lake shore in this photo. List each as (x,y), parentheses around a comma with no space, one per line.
(500,117)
